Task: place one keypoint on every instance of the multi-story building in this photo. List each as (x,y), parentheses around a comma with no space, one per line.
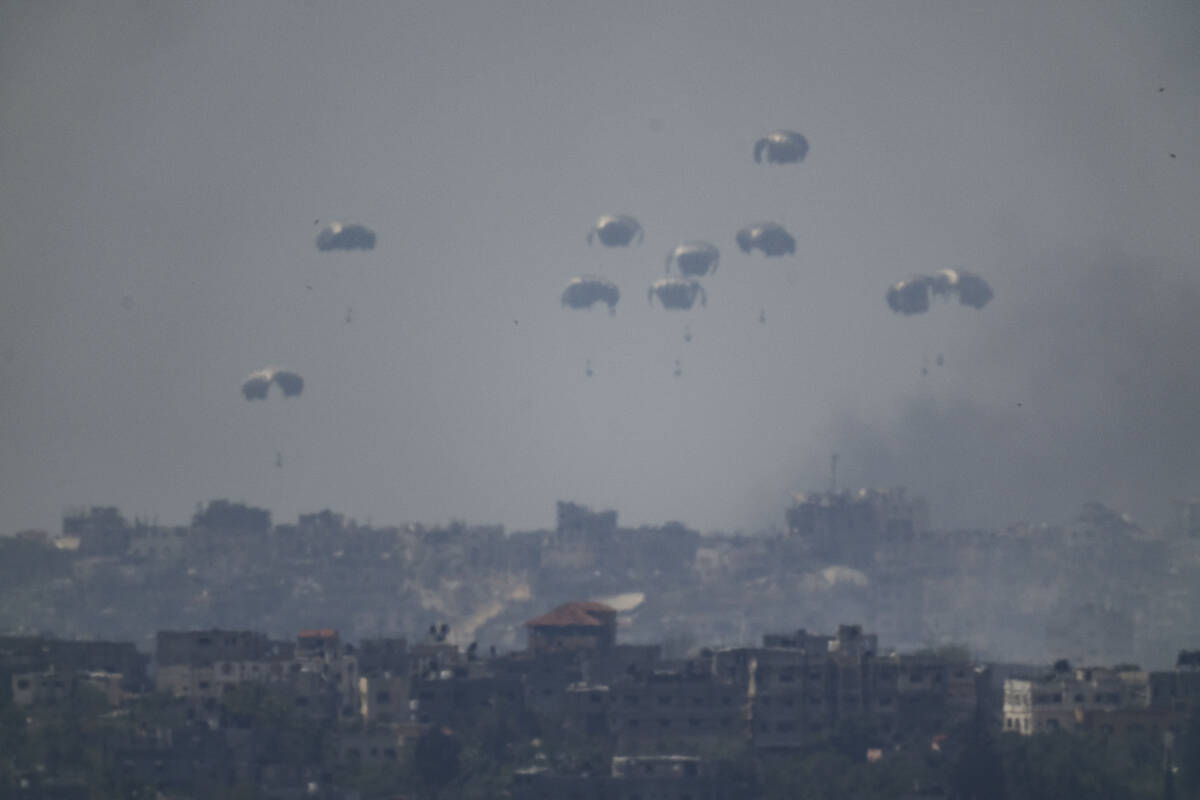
(376,745)
(1060,700)
(453,696)
(328,667)
(847,527)
(384,697)
(208,664)
(50,687)
(690,705)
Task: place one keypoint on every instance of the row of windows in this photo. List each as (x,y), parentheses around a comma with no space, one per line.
(635,723)
(667,699)
(354,754)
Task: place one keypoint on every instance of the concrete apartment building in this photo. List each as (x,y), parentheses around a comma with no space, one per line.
(50,687)
(690,705)
(1058,701)
(207,664)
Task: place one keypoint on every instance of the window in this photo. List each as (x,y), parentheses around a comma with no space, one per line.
(383,698)
(664,722)
(664,699)
(22,683)
(694,723)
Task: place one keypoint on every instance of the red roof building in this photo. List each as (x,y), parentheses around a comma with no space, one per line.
(574,626)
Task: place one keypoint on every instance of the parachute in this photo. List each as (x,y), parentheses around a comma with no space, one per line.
(587,290)
(911,296)
(769,237)
(616,230)
(677,293)
(259,382)
(694,259)
(972,290)
(782,147)
(345,236)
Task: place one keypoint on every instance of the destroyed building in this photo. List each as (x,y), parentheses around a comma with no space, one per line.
(847,527)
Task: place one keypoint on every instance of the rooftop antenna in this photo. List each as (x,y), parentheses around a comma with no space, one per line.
(833,474)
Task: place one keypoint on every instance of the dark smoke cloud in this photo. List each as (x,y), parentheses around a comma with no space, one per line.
(1092,392)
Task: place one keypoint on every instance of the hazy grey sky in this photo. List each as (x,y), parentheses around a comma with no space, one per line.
(162,164)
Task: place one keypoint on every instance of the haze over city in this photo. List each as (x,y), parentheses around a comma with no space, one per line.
(167,168)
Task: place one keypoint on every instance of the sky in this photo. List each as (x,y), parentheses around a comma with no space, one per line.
(167,166)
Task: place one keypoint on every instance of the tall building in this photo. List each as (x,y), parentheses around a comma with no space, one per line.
(847,527)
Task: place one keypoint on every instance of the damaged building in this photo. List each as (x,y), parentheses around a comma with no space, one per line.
(847,527)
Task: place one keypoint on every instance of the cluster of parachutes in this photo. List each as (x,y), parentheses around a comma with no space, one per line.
(259,383)
(691,260)
(333,236)
(912,296)
(686,264)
